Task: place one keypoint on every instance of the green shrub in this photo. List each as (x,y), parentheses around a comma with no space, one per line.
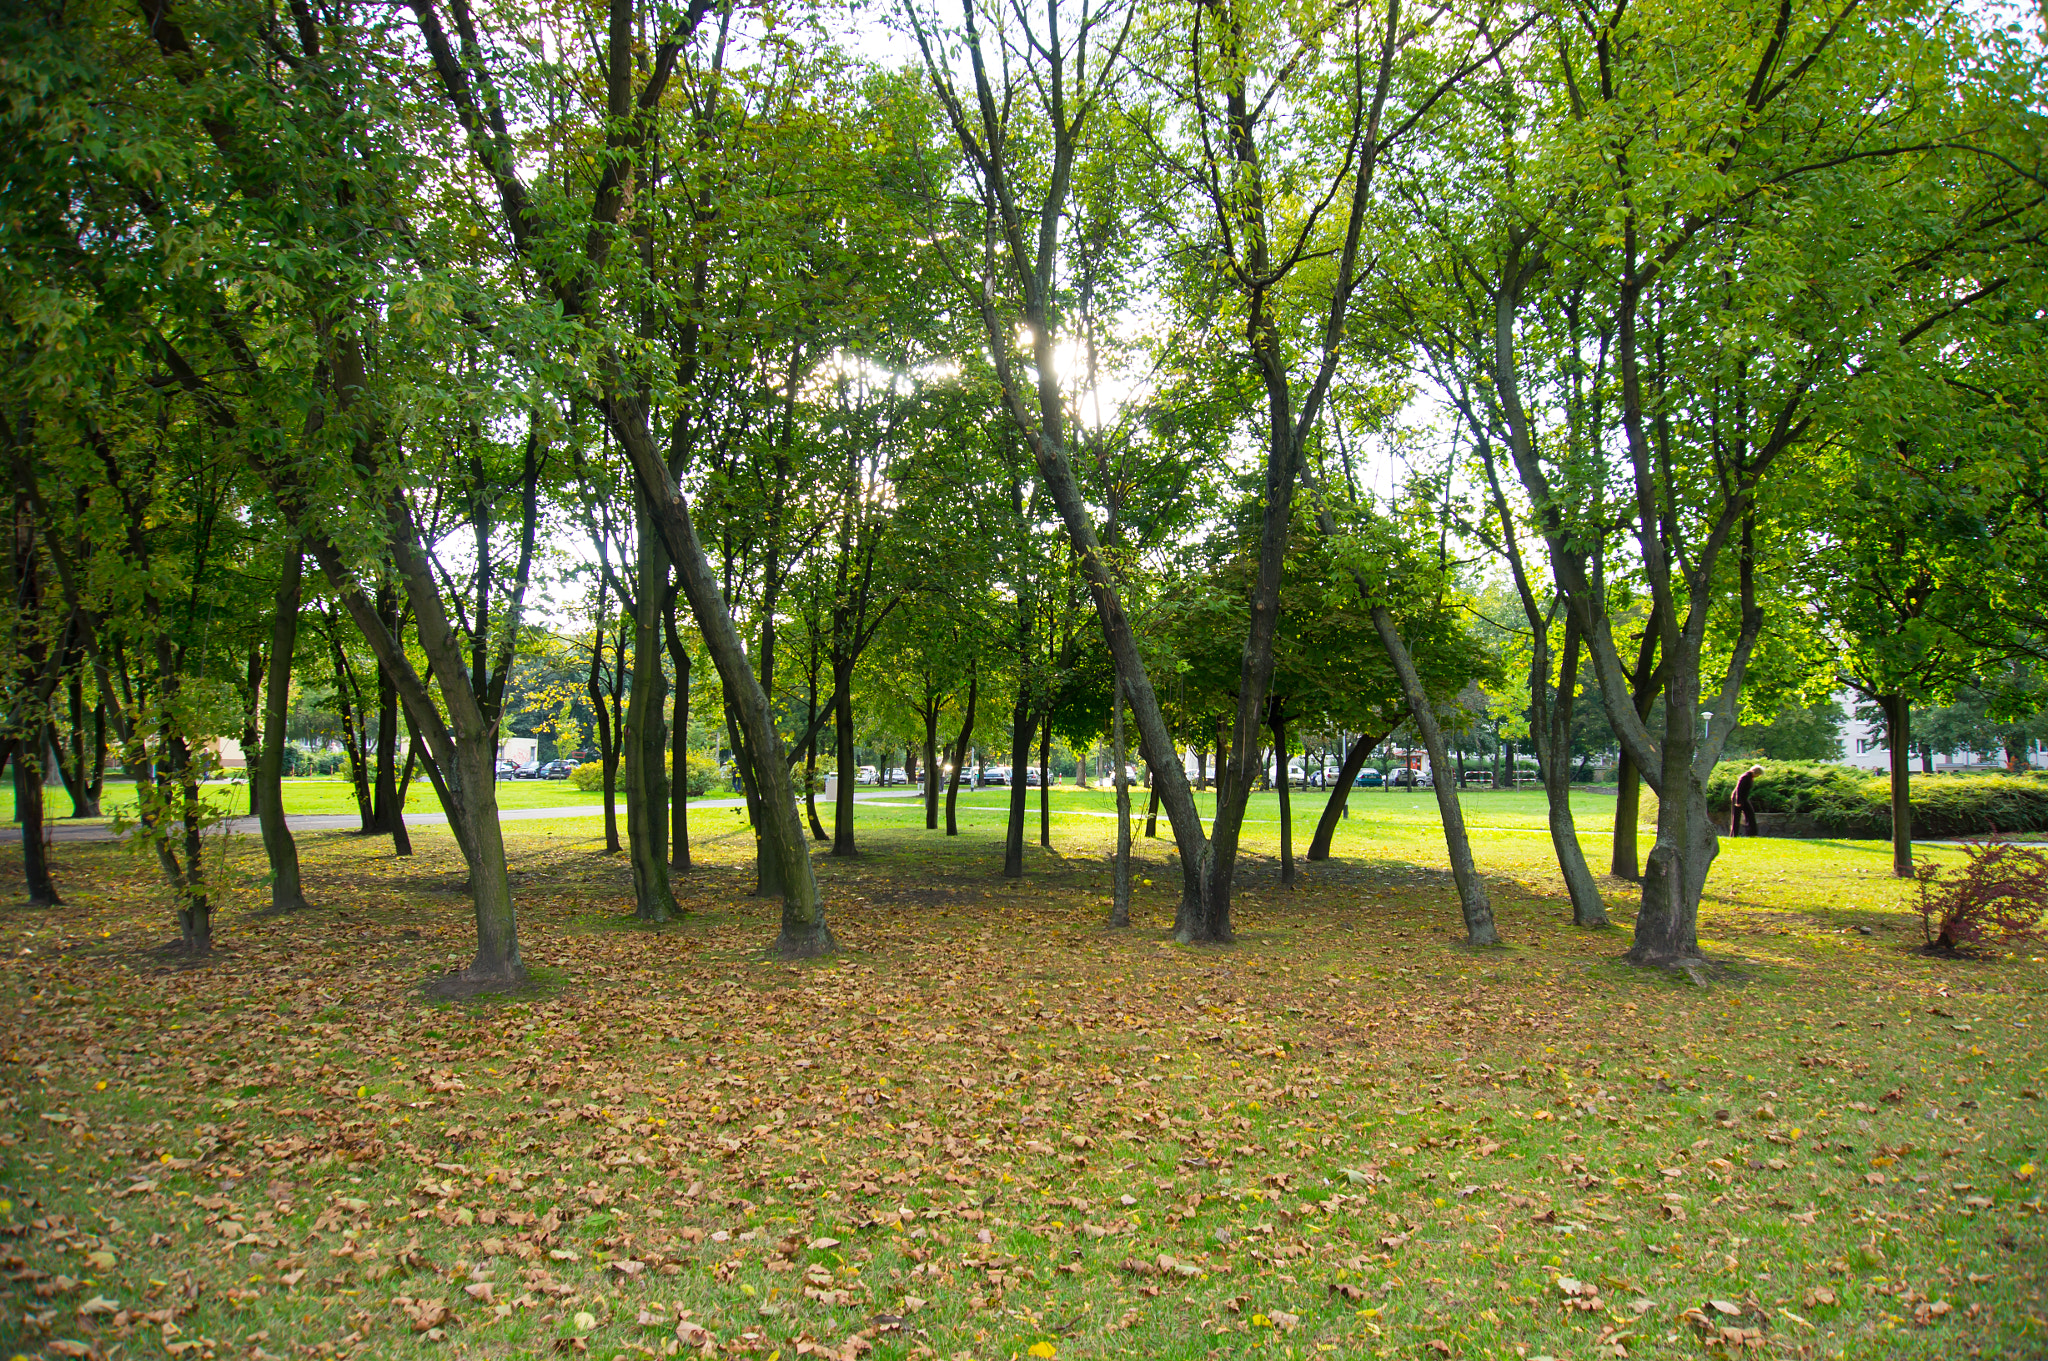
(589,776)
(703,771)
(1847,802)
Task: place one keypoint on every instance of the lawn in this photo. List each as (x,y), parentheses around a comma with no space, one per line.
(991,1128)
(315,794)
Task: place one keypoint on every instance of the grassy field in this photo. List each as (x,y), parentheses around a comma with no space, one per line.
(991,1128)
(316,794)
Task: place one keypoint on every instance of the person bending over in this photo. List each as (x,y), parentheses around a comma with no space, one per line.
(1740,808)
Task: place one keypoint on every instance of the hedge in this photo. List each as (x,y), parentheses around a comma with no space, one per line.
(1846,802)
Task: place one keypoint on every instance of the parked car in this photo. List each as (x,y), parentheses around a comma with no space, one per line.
(530,771)
(558,769)
(996,775)
(866,775)
(1366,779)
(1031,776)
(507,769)
(1323,776)
(1409,779)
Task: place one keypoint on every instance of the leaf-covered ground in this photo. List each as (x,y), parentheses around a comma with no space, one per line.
(991,1128)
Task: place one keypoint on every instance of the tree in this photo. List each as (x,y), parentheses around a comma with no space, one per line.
(1588,210)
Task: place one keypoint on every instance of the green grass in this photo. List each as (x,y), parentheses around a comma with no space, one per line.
(1348,1134)
(322,794)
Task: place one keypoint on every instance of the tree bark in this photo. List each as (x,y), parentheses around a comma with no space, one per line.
(1120,896)
(679,742)
(1334,806)
(28,813)
(842,806)
(384,809)
(1552,719)
(1152,808)
(1644,683)
(1045,779)
(607,749)
(252,733)
(1022,726)
(90,775)
(959,756)
(811,777)
(1279,725)
(1472,899)
(287,894)
(931,766)
(646,756)
(1898,732)
(353,737)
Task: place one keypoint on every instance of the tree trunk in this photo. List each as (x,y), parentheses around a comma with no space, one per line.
(1022,726)
(1472,900)
(1152,809)
(28,813)
(1279,725)
(252,733)
(1644,683)
(931,766)
(679,743)
(1552,718)
(1625,862)
(811,775)
(1898,720)
(384,799)
(195,906)
(646,754)
(842,806)
(607,752)
(85,782)
(286,892)
(1045,780)
(960,757)
(353,738)
(1667,924)
(1334,807)
(1120,896)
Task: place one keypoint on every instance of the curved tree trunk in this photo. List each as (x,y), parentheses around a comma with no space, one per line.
(811,781)
(960,757)
(1552,727)
(1336,806)
(1472,899)
(286,892)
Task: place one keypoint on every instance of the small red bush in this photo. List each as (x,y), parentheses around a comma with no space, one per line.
(2000,897)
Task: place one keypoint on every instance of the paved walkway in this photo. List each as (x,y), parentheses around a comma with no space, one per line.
(64,829)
